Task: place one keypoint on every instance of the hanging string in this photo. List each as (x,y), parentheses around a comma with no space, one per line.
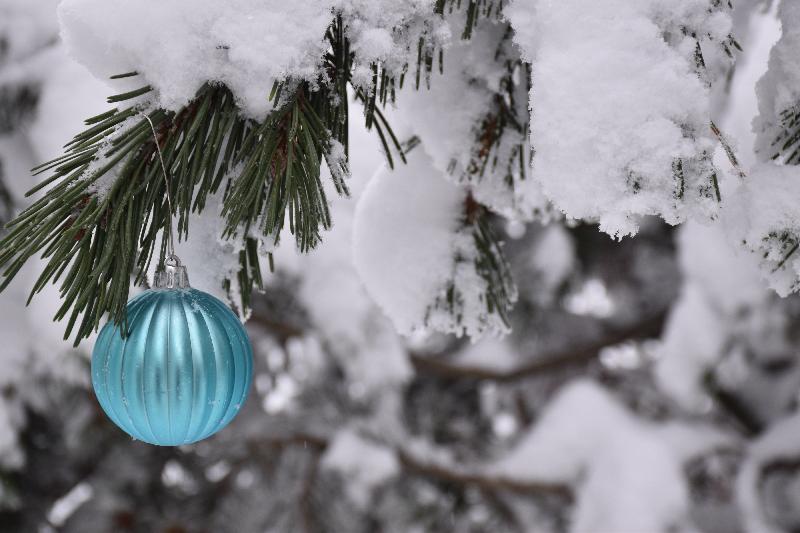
(170,241)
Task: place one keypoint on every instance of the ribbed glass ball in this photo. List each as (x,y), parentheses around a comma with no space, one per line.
(182,373)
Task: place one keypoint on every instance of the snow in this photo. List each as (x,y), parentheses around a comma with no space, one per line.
(245,44)
(757,31)
(693,340)
(65,506)
(591,299)
(593,60)
(357,333)
(727,275)
(779,89)
(363,463)
(180,45)
(763,216)
(490,352)
(721,281)
(404,237)
(616,99)
(779,442)
(209,259)
(27,27)
(371,29)
(416,255)
(453,140)
(629,478)
(55,122)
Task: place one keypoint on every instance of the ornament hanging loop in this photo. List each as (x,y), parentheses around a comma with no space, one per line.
(170,241)
(173,275)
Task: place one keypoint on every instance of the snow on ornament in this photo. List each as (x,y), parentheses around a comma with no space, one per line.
(182,371)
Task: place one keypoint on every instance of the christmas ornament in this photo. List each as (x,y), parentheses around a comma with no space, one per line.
(183,369)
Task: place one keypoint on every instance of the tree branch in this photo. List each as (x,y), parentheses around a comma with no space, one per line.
(650,327)
(437,472)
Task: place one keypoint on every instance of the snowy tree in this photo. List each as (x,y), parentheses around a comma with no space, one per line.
(507,265)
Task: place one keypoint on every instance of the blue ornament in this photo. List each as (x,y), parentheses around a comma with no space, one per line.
(184,369)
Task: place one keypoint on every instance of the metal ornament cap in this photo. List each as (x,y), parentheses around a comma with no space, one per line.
(173,275)
(183,371)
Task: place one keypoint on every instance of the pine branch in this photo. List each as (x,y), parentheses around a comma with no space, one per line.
(726,146)
(103,209)
(100,237)
(491,265)
(6,201)
(787,142)
(280,174)
(475,11)
(506,122)
(97,236)
(495,296)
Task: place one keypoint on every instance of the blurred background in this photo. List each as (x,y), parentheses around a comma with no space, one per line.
(649,385)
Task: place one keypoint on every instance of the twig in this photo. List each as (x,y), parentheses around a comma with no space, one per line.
(650,327)
(425,364)
(438,472)
(728,150)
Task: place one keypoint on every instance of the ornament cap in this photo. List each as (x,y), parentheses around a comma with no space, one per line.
(173,275)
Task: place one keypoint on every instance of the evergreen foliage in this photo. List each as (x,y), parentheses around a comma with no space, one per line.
(787,143)
(104,208)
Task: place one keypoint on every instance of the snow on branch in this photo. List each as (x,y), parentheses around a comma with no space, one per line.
(778,124)
(763,216)
(629,478)
(621,107)
(426,257)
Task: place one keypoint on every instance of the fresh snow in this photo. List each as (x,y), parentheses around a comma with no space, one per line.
(628,473)
(779,89)
(404,236)
(364,464)
(591,62)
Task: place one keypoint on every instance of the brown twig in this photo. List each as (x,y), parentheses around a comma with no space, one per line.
(437,472)
(650,327)
(424,364)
